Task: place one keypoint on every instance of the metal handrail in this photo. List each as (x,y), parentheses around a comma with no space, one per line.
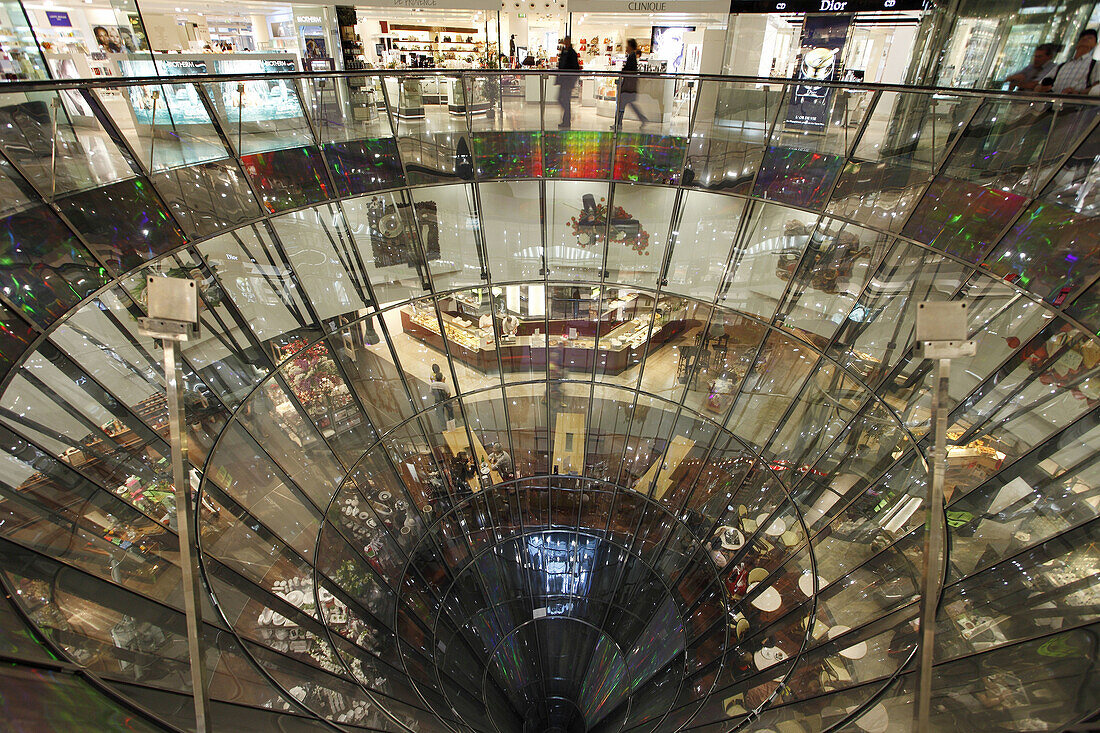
(116,82)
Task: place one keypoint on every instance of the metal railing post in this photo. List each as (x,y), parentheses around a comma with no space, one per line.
(173,318)
(941,334)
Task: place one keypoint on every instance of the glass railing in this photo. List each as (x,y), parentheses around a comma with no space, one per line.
(691,334)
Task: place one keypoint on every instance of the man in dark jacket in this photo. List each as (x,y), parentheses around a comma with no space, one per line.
(628,86)
(567,61)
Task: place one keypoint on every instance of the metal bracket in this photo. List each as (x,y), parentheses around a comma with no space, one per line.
(162,328)
(173,305)
(941,330)
(945,349)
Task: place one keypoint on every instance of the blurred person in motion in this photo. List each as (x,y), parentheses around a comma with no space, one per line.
(628,87)
(569,62)
(1041,66)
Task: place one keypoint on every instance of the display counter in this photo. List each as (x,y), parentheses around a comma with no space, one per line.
(460,102)
(621,347)
(256,105)
(576,314)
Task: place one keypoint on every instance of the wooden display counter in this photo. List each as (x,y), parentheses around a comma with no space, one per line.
(619,350)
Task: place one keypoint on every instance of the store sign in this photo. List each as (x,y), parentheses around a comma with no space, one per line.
(823,6)
(58,19)
(640,7)
(823,38)
(278,66)
(184,68)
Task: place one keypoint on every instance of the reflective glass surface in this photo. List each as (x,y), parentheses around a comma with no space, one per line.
(500,426)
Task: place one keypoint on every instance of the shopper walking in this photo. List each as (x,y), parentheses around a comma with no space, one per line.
(568,62)
(1032,75)
(628,87)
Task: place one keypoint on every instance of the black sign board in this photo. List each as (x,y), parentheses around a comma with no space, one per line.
(824,6)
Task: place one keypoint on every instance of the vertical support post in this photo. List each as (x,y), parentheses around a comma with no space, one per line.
(173,318)
(186,527)
(933,544)
(941,335)
(55,106)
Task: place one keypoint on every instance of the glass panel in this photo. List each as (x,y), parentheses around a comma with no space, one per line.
(260,115)
(45,270)
(139,229)
(287,179)
(50,700)
(58,142)
(450,235)
(325,262)
(705,228)
(1000,144)
(1049,587)
(207,197)
(727,143)
(638,235)
(167,125)
(347,109)
(1046,251)
(512,231)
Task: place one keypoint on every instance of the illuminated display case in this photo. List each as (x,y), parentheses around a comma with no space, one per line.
(476,102)
(261,101)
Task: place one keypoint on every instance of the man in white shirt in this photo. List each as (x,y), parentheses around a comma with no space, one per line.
(1079,74)
(1042,65)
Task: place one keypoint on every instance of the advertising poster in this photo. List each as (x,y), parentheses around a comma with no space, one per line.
(823,38)
(666,44)
(316,47)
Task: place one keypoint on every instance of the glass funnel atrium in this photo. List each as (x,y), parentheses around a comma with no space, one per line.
(501,426)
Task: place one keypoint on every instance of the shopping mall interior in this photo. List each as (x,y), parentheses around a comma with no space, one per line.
(501,417)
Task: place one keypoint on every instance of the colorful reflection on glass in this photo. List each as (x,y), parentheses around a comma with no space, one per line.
(1051,251)
(1086,308)
(508,154)
(577,154)
(125,223)
(360,166)
(649,158)
(44,270)
(662,640)
(603,688)
(962,218)
(15,337)
(799,177)
(40,700)
(287,179)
